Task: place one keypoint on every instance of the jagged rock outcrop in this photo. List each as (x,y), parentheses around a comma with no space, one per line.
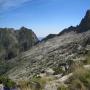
(26,38)
(85,23)
(12,42)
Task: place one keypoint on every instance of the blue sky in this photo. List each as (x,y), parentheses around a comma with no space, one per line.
(42,16)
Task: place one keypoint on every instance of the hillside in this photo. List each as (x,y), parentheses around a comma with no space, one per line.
(58,62)
(51,54)
(72,45)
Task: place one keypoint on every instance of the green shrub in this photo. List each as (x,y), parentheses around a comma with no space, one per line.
(58,70)
(62,87)
(7,82)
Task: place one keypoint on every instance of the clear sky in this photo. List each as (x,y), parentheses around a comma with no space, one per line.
(42,16)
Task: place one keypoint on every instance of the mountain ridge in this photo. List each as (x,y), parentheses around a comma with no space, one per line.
(82,27)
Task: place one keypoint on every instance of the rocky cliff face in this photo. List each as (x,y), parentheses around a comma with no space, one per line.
(12,42)
(26,38)
(85,23)
(67,46)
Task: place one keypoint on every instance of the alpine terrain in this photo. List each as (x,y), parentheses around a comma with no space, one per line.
(58,62)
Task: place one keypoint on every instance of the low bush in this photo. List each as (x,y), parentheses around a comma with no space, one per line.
(58,70)
(7,82)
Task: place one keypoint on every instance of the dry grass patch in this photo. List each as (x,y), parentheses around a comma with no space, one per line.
(80,80)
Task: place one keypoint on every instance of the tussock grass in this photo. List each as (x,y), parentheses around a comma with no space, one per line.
(35,83)
(87,61)
(62,87)
(24,85)
(80,79)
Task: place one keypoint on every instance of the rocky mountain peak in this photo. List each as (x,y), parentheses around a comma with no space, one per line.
(24,28)
(88,14)
(82,27)
(12,41)
(85,22)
